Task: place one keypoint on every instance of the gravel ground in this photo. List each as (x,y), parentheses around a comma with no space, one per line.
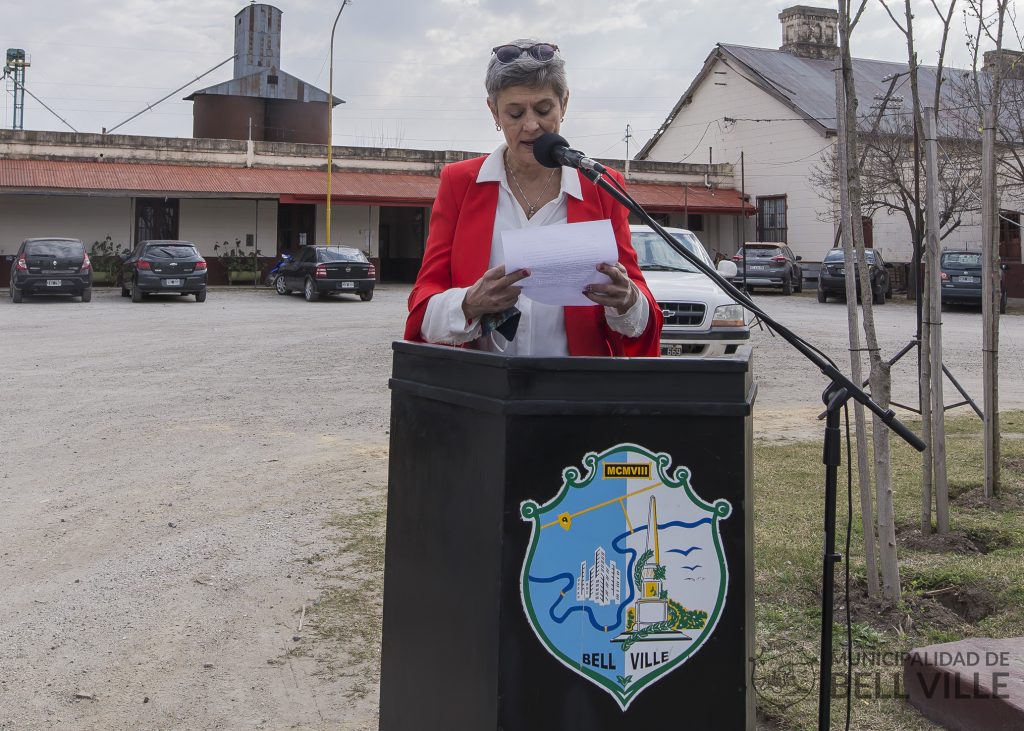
(168,471)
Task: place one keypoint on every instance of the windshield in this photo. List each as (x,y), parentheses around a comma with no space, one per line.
(761,251)
(969,260)
(655,255)
(171,251)
(340,254)
(837,255)
(62,249)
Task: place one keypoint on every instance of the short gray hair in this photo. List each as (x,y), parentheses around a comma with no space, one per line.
(526,71)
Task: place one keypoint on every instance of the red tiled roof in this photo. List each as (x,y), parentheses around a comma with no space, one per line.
(309,186)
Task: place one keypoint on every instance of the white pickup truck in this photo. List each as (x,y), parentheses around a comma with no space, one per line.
(700,319)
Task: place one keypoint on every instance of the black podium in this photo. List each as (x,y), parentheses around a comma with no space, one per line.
(569,543)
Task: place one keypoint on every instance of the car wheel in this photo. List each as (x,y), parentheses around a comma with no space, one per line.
(366,296)
(822,297)
(15,294)
(279,286)
(877,296)
(787,286)
(309,291)
(136,292)
(87,294)
(201,295)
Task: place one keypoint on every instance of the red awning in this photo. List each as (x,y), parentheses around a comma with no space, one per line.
(663,198)
(146,178)
(298,186)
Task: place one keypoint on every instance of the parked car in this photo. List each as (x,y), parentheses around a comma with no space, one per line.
(769,265)
(960,272)
(318,270)
(51,266)
(700,319)
(164,267)
(832,277)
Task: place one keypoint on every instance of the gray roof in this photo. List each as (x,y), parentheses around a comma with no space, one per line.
(258,85)
(808,86)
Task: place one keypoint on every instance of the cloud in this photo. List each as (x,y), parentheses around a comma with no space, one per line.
(408,70)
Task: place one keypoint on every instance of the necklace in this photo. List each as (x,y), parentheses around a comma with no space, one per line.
(532,206)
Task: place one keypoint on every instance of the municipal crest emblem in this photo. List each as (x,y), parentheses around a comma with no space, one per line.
(625,577)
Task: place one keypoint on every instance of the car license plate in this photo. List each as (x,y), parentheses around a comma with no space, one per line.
(671,349)
(968,280)
(172,282)
(54,282)
(348,285)
(842,271)
(757,267)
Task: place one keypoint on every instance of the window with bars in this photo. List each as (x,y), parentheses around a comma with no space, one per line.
(771,218)
(156,218)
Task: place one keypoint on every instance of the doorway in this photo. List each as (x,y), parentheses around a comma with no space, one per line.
(296,226)
(401,236)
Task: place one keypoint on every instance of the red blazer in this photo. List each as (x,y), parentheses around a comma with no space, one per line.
(459,250)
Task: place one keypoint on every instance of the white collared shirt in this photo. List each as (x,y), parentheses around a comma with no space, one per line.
(541,329)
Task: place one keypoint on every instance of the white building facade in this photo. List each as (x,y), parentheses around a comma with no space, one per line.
(771,113)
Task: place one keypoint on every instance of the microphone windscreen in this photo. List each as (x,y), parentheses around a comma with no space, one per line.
(544,149)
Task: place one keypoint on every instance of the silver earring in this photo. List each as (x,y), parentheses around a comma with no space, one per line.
(497,127)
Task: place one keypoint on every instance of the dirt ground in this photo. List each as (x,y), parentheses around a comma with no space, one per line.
(168,476)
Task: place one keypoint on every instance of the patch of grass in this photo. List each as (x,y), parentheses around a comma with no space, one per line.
(948,594)
(348,614)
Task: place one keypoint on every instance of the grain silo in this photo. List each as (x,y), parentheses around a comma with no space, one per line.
(261,101)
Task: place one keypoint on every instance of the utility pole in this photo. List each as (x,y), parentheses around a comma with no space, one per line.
(934,299)
(330,122)
(989,302)
(627,138)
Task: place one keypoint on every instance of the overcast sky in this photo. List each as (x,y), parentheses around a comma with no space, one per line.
(411,71)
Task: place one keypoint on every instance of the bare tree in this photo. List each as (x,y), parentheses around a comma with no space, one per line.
(850,219)
(991,23)
(956,198)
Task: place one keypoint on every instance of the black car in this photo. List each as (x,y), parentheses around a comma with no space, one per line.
(960,272)
(51,266)
(164,267)
(318,270)
(832,277)
(769,265)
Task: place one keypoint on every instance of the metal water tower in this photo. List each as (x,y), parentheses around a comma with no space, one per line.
(15,67)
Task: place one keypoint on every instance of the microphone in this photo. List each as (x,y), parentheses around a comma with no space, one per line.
(553,151)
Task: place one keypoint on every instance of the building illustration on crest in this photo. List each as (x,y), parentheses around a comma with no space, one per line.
(600,584)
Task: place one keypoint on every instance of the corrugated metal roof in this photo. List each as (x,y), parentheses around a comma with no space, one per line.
(808,87)
(139,178)
(692,198)
(259,85)
(43,176)
(809,84)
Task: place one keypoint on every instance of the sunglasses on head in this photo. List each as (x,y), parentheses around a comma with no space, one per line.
(538,51)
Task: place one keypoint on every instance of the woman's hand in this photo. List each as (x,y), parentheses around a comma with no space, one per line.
(493,292)
(620,293)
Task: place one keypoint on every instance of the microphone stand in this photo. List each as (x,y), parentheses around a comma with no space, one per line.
(839,390)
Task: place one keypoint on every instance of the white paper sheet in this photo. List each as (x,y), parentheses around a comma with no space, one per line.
(561,259)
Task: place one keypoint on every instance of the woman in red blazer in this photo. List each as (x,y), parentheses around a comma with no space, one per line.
(462,290)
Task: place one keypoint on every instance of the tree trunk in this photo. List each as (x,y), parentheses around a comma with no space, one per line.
(880,385)
(933,284)
(867,512)
(879,373)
